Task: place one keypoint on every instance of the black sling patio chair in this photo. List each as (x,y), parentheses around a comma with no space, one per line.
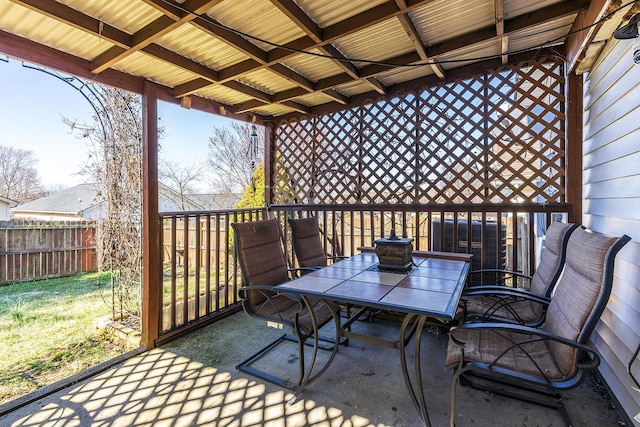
(533,364)
(525,306)
(307,244)
(262,264)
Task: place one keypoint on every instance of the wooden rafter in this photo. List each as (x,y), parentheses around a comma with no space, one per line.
(302,20)
(504,39)
(414,36)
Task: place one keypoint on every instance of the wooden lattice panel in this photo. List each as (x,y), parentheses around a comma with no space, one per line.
(498,137)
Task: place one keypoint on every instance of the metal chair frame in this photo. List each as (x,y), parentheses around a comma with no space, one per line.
(505,297)
(291,318)
(537,389)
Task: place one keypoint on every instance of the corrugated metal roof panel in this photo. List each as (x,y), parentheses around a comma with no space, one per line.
(400,75)
(470,54)
(437,21)
(445,19)
(201,47)
(141,64)
(313,67)
(266,81)
(513,8)
(354,88)
(249,17)
(129,16)
(223,94)
(328,12)
(313,99)
(35,26)
(376,43)
(551,33)
(273,110)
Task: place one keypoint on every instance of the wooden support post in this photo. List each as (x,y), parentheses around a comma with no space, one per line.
(151,263)
(269,162)
(573,150)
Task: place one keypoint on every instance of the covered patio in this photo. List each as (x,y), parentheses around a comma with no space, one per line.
(468,126)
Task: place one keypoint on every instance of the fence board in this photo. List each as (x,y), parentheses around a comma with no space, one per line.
(35,250)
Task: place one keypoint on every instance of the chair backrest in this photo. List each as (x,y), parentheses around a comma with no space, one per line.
(552,258)
(305,237)
(582,292)
(259,250)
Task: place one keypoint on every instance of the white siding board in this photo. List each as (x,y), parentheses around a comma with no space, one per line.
(617,317)
(611,205)
(618,380)
(607,74)
(613,225)
(623,392)
(618,188)
(622,354)
(621,118)
(626,145)
(624,208)
(623,86)
(627,167)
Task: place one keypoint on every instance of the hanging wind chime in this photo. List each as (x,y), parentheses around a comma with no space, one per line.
(252,152)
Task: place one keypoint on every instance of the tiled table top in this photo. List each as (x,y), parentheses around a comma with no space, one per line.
(432,287)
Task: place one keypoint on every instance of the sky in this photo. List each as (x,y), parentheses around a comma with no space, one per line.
(33,103)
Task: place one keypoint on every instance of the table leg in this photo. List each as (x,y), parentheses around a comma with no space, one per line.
(307,377)
(417,396)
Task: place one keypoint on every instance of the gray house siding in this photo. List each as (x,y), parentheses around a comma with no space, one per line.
(611,205)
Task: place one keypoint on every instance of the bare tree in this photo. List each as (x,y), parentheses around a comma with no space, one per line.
(19,179)
(234,154)
(181,179)
(54,188)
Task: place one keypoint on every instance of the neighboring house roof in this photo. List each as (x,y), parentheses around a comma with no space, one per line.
(76,201)
(72,201)
(8,201)
(216,202)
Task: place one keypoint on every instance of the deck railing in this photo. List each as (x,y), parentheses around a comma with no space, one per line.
(201,278)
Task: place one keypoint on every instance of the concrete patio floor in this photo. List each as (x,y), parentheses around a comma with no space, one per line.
(192,381)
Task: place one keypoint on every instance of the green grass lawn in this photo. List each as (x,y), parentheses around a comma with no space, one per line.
(47,332)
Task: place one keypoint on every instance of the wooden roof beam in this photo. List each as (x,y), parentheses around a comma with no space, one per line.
(414,36)
(151,32)
(121,39)
(78,20)
(330,34)
(504,39)
(304,21)
(576,44)
(446,46)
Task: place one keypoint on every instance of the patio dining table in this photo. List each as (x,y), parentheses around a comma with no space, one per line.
(430,289)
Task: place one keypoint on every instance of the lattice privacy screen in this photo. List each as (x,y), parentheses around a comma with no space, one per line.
(494,138)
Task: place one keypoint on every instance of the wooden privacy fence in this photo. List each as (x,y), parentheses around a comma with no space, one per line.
(35,250)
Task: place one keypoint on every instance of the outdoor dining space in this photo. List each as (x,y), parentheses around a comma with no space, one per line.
(471,129)
(396,317)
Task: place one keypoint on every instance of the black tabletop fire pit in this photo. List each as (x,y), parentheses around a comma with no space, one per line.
(394,253)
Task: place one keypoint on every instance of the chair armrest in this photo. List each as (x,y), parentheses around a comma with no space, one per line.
(497,270)
(502,299)
(533,334)
(501,278)
(505,292)
(268,292)
(297,271)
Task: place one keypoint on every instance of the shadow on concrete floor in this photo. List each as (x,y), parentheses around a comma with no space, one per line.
(193,381)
